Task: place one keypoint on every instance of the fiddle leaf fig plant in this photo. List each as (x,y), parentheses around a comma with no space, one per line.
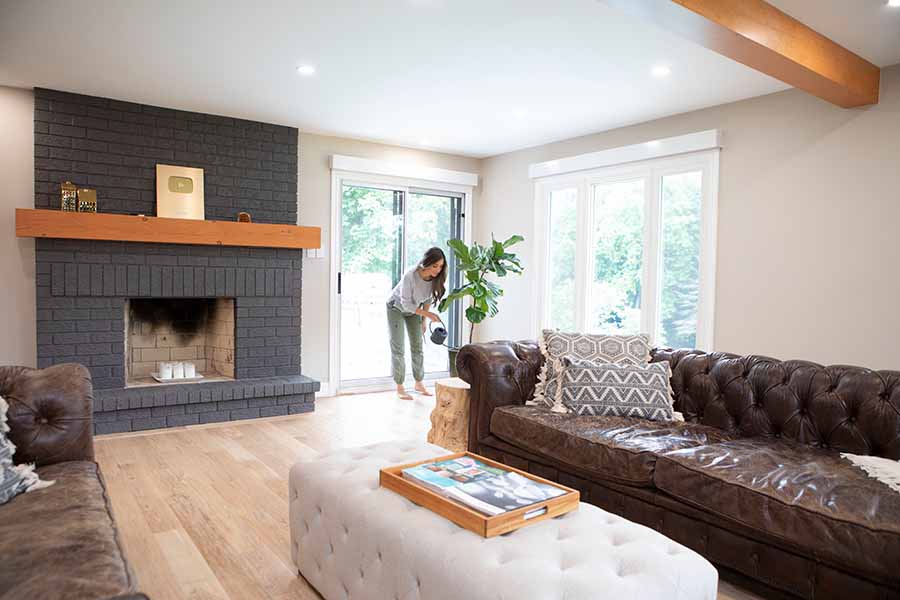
(476,262)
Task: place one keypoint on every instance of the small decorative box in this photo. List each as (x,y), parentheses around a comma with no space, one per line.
(87,200)
(68,197)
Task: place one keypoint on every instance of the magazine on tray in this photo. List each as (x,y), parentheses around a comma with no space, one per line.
(487,489)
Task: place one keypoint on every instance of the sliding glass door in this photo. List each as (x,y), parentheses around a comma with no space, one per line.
(371,254)
(385,230)
(631,250)
(433,218)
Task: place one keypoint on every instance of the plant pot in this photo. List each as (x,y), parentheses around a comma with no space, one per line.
(453,352)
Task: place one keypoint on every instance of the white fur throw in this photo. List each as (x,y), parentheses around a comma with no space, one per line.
(885,470)
(14,479)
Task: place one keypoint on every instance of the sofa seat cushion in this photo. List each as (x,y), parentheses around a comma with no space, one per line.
(61,541)
(808,498)
(618,449)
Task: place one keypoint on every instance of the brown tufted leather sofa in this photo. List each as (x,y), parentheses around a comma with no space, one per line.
(753,479)
(61,541)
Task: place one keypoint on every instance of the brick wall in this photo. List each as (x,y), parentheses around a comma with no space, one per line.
(82,287)
(114,147)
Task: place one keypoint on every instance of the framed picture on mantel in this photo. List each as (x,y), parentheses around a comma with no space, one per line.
(179,192)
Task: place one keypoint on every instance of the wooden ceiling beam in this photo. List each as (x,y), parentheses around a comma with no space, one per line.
(756,34)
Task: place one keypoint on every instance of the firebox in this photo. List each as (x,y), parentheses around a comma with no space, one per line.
(199,331)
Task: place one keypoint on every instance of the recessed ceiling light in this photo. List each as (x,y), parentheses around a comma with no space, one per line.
(894,3)
(306,70)
(660,71)
(520,113)
(425,142)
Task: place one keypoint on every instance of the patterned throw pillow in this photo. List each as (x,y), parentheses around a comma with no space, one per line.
(607,390)
(14,479)
(596,348)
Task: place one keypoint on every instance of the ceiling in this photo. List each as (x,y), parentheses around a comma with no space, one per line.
(870,28)
(463,76)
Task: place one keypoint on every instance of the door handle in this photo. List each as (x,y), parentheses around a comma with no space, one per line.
(339,282)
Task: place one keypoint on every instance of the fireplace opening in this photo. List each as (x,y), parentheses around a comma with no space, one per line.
(163,333)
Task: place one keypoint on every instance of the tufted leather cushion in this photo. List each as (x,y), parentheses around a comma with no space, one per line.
(61,542)
(849,409)
(352,539)
(50,412)
(501,374)
(618,449)
(809,498)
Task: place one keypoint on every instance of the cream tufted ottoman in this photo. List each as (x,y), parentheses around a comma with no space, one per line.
(353,540)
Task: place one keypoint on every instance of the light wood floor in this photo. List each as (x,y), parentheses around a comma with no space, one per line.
(203,510)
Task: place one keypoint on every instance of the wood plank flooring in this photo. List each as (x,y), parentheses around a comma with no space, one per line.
(203,510)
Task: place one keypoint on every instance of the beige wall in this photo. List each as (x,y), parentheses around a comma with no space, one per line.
(809,224)
(809,209)
(315,209)
(17,339)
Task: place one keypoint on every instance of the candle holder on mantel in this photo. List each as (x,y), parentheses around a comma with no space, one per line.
(68,195)
(87,200)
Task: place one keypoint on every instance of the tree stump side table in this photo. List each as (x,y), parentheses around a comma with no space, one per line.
(450,417)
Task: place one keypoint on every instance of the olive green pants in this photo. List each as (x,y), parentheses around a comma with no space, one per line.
(397,322)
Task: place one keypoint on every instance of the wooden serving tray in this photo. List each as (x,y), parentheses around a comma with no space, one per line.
(468,518)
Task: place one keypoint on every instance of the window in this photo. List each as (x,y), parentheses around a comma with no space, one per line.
(617,257)
(563,219)
(629,249)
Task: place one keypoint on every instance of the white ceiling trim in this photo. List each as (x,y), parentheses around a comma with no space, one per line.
(680,144)
(355,164)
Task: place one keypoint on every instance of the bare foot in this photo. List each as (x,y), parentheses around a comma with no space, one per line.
(402,393)
(420,387)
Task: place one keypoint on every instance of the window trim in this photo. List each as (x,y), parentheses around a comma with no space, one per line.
(652,171)
(611,157)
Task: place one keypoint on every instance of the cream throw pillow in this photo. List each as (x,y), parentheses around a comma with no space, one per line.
(597,348)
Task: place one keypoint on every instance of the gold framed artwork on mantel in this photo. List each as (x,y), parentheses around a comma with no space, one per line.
(179,192)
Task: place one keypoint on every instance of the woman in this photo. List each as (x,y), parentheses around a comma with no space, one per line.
(408,307)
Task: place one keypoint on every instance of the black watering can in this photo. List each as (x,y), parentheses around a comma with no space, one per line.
(438,334)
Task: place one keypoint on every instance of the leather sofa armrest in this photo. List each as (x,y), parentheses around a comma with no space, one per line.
(500,374)
(50,413)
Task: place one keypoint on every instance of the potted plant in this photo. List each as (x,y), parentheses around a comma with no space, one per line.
(476,262)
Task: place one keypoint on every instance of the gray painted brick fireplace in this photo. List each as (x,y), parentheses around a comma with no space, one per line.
(83,286)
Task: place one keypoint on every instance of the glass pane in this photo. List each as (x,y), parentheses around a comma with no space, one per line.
(370,264)
(563,228)
(429,223)
(615,295)
(680,250)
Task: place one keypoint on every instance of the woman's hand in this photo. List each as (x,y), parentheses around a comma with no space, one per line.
(427,314)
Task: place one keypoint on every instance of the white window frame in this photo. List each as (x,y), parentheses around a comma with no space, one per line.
(383,175)
(651,171)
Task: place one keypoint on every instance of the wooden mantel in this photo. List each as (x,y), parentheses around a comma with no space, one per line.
(126,228)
